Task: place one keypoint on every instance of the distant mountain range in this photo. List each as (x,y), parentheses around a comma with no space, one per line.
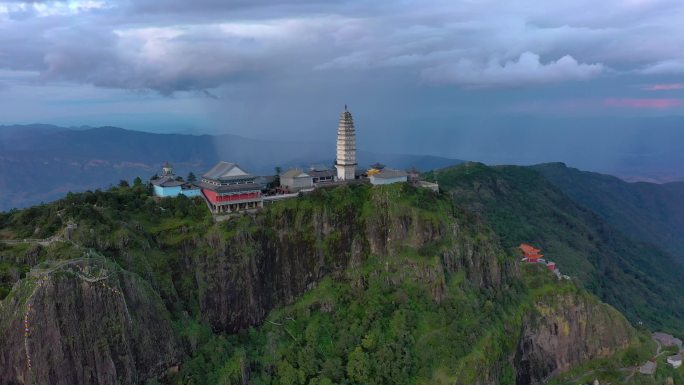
(632,148)
(648,212)
(40,163)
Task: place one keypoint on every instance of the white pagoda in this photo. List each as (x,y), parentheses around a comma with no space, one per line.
(346,147)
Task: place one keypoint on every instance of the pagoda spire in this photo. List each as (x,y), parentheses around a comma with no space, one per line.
(346,147)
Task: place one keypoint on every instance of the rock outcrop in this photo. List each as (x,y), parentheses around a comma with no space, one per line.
(565,330)
(79,323)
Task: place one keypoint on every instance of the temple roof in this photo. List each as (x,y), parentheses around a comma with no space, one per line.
(166,181)
(322,173)
(390,173)
(231,187)
(528,249)
(295,173)
(225,171)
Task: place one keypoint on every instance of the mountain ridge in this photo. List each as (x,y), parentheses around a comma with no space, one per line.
(380,269)
(44,163)
(647,212)
(639,279)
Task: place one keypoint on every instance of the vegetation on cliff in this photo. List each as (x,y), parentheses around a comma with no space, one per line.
(390,284)
(640,280)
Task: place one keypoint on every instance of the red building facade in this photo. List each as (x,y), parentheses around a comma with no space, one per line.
(227,188)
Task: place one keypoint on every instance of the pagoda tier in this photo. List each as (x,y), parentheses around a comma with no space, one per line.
(346,147)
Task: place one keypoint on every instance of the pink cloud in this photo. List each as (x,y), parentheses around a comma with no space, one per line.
(644,103)
(665,87)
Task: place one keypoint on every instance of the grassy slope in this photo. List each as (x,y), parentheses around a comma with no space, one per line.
(522,206)
(651,213)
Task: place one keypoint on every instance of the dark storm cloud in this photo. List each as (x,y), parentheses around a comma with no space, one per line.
(180,45)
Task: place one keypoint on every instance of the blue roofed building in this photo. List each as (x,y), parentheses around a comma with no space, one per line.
(169,185)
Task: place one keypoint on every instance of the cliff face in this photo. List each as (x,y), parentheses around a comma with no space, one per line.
(272,259)
(80,323)
(565,330)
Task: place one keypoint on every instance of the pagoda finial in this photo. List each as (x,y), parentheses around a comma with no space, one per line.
(345,107)
(167,169)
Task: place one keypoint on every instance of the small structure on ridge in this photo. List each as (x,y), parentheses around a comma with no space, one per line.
(533,255)
(322,174)
(170,185)
(386,176)
(530,253)
(295,180)
(675,361)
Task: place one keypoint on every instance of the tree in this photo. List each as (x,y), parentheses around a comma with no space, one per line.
(123,183)
(276,178)
(191,177)
(137,181)
(358,367)
(155,176)
(179,178)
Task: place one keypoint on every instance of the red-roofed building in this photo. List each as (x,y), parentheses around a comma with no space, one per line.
(531,253)
(528,249)
(227,188)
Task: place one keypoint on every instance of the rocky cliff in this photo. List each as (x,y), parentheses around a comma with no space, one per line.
(271,259)
(563,330)
(81,322)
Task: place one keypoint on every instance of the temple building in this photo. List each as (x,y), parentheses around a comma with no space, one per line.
(170,185)
(530,253)
(675,361)
(322,174)
(346,147)
(295,179)
(386,176)
(228,188)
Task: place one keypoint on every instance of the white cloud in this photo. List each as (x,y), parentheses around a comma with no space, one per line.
(526,70)
(666,67)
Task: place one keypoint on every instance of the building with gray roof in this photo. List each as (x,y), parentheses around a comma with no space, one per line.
(388,176)
(228,188)
(170,185)
(296,179)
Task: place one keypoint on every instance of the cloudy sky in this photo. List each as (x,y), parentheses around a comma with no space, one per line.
(285,68)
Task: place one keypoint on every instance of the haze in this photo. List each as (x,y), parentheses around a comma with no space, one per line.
(484,80)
